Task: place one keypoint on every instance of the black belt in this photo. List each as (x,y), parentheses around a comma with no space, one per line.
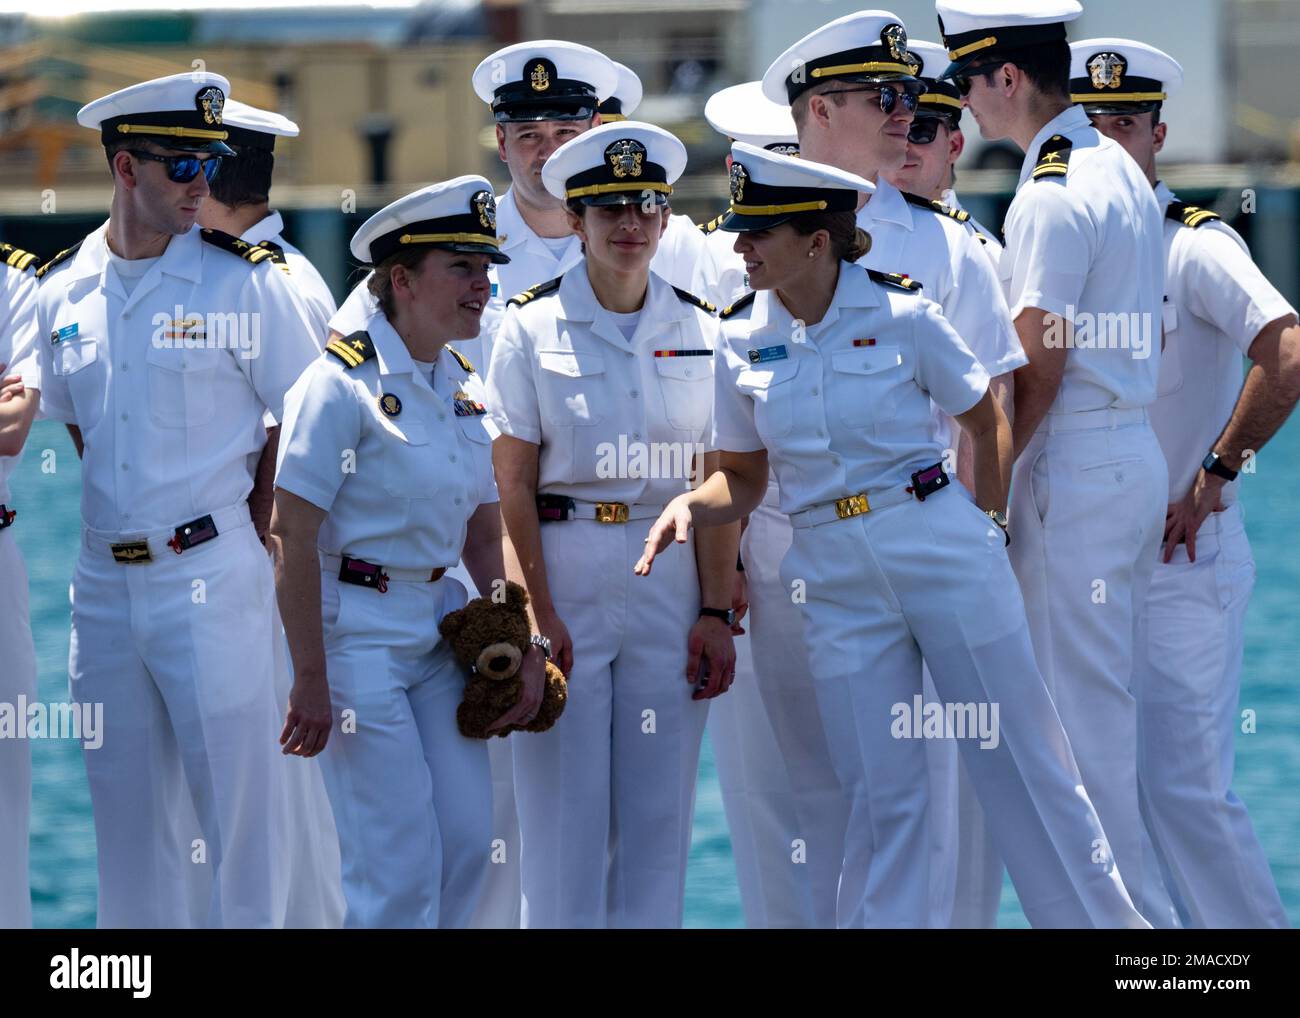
(7,516)
(186,536)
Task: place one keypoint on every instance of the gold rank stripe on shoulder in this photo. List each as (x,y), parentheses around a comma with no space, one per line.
(277,255)
(62,256)
(17,258)
(1190,215)
(961,215)
(461,359)
(353,350)
(533,292)
(738,305)
(1053,157)
(712,225)
(894,279)
(252,253)
(690,298)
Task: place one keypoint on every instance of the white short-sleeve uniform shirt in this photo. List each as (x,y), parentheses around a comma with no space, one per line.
(1088,247)
(18,337)
(168,385)
(311,287)
(848,409)
(563,376)
(399,484)
(1216,303)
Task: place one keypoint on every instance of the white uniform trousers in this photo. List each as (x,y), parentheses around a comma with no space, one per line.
(1087,516)
(412,797)
(978,867)
(1187,712)
(179,651)
(931,578)
(17,678)
(606,797)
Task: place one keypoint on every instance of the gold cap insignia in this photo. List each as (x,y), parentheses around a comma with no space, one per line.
(737,181)
(540,79)
(485,204)
(210,102)
(625,157)
(895,38)
(1106,69)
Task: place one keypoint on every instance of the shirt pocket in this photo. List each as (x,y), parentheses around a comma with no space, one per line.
(864,384)
(687,387)
(180,386)
(771,388)
(569,391)
(74,361)
(409,469)
(1171,364)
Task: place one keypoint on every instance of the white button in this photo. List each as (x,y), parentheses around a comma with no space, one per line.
(452,457)
(634,394)
(442,417)
(820,433)
(688,372)
(125,365)
(456,500)
(124,417)
(126,516)
(815,391)
(636,434)
(835,460)
(126,466)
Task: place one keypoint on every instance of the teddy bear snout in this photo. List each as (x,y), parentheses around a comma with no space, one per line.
(499,661)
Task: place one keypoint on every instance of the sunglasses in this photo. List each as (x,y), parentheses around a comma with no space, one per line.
(889,97)
(923,131)
(183,169)
(963,81)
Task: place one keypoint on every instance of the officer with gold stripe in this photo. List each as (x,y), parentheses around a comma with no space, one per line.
(1218,306)
(384,483)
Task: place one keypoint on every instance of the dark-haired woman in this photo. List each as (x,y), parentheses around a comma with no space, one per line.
(602,386)
(829,369)
(385,481)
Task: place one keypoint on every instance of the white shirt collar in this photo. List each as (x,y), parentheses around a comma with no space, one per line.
(268,228)
(1068,121)
(886,205)
(1164,196)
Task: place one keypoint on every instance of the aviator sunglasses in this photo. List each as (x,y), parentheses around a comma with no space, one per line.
(963,80)
(889,97)
(183,169)
(923,131)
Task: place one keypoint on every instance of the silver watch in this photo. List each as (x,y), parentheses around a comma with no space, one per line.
(538,640)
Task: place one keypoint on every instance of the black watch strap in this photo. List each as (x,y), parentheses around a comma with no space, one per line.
(1213,465)
(727,615)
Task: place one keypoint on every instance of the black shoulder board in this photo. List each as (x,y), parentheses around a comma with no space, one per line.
(17,258)
(353,350)
(894,279)
(1190,215)
(461,359)
(738,305)
(540,290)
(252,253)
(1053,157)
(277,255)
(711,225)
(690,298)
(63,255)
(920,201)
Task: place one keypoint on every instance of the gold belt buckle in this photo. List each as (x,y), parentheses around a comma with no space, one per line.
(131,552)
(611,512)
(851,505)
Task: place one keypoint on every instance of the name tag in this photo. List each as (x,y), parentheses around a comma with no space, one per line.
(768,353)
(67,332)
(683,353)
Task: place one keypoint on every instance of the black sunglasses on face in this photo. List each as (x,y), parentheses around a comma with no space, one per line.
(889,97)
(963,81)
(183,169)
(923,131)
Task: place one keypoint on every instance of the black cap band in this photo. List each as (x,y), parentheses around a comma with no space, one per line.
(966,48)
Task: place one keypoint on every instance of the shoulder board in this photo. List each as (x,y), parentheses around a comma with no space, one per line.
(540,290)
(712,224)
(353,350)
(690,298)
(251,253)
(17,258)
(1053,157)
(1190,215)
(738,305)
(62,256)
(461,359)
(277,255)
(961,215)
(894,279)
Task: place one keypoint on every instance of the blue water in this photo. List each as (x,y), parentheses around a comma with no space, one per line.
(63,839)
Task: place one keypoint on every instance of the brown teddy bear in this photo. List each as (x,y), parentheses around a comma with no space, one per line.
(490,639)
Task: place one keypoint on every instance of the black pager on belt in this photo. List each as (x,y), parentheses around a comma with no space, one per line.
(554,507)
(187,535)
(362,574)
(928,480)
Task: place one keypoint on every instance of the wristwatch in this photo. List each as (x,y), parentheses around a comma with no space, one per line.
(538,640)
(1000,518)
(1213,464)
(728,615)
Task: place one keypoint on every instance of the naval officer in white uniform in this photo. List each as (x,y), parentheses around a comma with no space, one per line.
(601,384)
(830,370)
(18,402)
(1083,272)
(363,549)
(1218,307)
(172,627)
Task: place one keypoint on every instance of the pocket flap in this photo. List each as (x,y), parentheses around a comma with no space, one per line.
(866,360)
(72,355)
(571,363)
(687,368)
